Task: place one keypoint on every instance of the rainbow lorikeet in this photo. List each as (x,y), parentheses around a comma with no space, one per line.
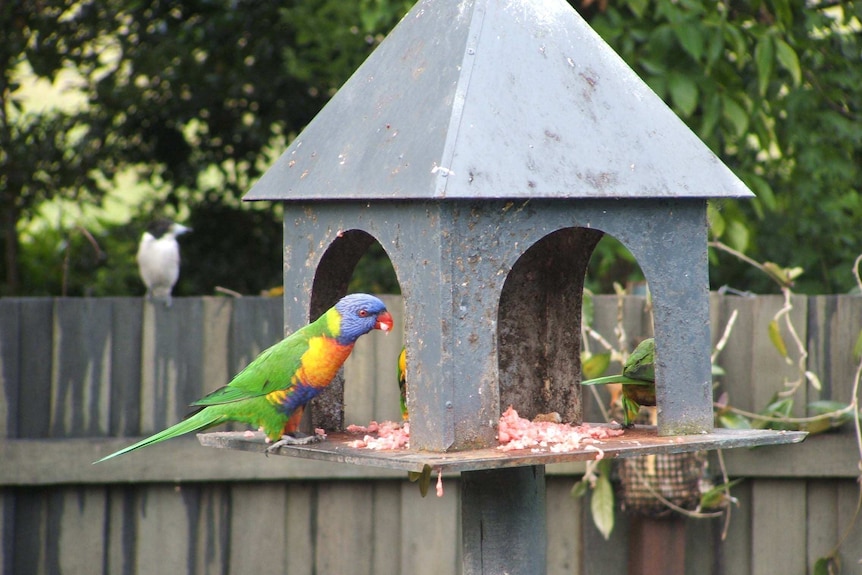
(402,383)
(272,391)
(637,379)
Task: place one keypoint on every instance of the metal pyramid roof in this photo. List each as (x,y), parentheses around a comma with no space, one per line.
(495,99)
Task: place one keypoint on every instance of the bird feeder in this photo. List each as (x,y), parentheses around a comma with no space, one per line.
(488,145)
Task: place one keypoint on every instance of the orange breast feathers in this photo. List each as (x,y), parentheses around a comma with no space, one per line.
(321,362)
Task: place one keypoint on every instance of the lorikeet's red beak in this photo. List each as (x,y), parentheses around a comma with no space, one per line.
(384,322)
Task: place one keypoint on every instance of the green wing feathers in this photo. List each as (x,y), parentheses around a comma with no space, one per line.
(198,422)
(641,363)
(271,371)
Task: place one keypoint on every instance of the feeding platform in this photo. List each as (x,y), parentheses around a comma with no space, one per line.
(639,440)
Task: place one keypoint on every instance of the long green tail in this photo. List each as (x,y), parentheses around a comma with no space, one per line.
(199,421)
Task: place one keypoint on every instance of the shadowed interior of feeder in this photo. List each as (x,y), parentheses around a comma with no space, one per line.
(539,325)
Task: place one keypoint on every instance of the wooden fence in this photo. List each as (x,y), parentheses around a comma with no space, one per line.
(81,377)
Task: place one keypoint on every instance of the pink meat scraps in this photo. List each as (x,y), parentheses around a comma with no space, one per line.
(384,435)
(515,432)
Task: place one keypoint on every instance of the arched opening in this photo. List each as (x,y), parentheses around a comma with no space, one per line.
(356,262)
(538,329)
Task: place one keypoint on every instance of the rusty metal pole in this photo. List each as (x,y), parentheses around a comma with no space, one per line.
(503,521)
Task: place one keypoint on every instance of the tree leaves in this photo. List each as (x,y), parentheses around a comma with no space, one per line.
(595,365)
(788,60)
(684,93)
(769,86)
(602,504)
(764,56)
(827,566)
(777,339)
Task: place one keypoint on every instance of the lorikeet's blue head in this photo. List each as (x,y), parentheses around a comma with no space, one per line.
(360,313)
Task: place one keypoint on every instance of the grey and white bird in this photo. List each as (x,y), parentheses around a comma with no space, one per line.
(159,258)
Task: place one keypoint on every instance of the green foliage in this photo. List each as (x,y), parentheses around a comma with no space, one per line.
(771,87)
(717,497)
(602,501)
(597,480)
(374,273)
(198,98)
(827,566)
(594,365)
(195,97)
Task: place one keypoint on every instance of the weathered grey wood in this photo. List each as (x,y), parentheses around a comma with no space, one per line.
(565,548)
(387,544)
(121,529)
(828,455)
(209,517)
(81,367)
(834,324)
(10,377)
(503,521)
(30,532)
(778,504)
(300,519)
(75,514)
(34,396)
(41,462)
(7,528)
(851,551)
(172,361)
(216,328)
(344,529)
(737,549)
(257,517)
(822,519)
(736,359)
(163,529)
(429,529)
(125,383)
(10,350)
(702,541)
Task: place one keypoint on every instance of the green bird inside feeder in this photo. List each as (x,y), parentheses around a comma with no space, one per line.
(637,380)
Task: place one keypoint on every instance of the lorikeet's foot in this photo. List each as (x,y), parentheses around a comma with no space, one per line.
(297,439)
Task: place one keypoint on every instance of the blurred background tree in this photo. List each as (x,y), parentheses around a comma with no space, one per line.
(182,106)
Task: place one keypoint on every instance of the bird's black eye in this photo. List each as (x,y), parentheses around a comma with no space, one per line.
(363,313)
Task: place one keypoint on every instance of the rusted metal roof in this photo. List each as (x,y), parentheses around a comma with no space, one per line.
(495,99)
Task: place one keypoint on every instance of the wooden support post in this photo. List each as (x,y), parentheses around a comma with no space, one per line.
(503,520)
(656,546)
